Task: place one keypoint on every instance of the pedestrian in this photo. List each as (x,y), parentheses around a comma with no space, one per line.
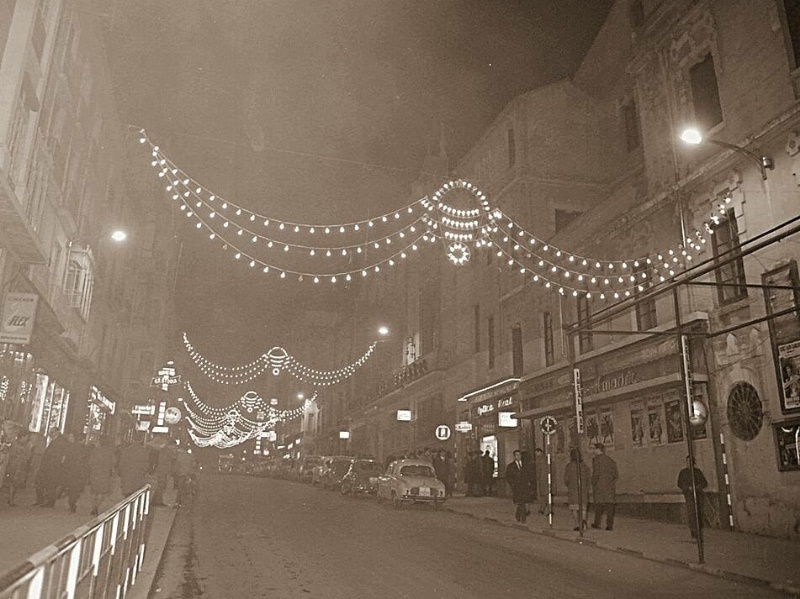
(474,474)
(530,475)
(518,479)
(450,474)
(185,470)
(604,486)
(19,458)
(578,503)
(439,465)
(50,478)
(101,467)
(487,469)
(694,511)
(134,459)
(542,486)
(76,470)
(163,470)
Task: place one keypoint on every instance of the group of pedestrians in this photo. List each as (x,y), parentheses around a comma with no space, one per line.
(479,474)
(68,465)
(600,482)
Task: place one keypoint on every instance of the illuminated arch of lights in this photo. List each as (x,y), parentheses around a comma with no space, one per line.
(246,419)
(276,360)
(458,214)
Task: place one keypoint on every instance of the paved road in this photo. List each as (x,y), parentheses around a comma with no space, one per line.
(255,537)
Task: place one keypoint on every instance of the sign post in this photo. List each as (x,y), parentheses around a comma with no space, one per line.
(548,426)
(576,384)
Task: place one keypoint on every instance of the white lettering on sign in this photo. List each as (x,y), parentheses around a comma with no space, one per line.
(576,381)
(463,426)
(443,432)
(485,409)
(505,403)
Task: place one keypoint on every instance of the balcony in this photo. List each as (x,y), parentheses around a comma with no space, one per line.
(401,378)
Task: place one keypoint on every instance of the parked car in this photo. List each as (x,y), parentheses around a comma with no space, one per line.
(362,477)
(307,465)
(410,481)
(333,470)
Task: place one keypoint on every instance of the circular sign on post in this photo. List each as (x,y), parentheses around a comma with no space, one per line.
(548,425)
(172,415)
(443,432)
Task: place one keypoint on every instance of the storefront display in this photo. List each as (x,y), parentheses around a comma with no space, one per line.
(99,410)
(16,382)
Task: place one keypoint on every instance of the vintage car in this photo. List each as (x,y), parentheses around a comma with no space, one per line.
(410,481)
(333,470)
(362,477)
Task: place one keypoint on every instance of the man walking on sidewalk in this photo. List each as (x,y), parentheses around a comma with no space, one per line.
(518,479)
(694,512)
(604,486)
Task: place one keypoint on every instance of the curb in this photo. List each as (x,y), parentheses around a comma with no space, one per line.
(785,587)
(152,566)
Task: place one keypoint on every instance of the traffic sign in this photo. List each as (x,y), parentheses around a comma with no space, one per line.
(548,425)
(443,432)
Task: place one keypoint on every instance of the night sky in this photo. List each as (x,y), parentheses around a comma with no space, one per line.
(319,111)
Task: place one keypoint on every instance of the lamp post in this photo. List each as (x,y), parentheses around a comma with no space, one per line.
(693,137)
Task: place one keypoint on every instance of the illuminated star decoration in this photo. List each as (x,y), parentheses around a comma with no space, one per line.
(246,419)
(275,360)
(458,214)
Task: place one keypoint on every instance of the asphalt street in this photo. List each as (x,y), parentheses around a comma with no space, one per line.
(258,537)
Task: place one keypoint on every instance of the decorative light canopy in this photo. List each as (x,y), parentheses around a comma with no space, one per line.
(458,214)
(276,360)
(246,419)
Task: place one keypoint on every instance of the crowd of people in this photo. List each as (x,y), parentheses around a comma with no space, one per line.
(67,466)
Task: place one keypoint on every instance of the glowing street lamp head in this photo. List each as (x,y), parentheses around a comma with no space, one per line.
(692,136)
(119,235)
(383,331)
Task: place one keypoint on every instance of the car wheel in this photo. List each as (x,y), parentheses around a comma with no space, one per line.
(396,503)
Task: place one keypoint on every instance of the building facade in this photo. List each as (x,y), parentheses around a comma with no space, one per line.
(102,311)
(594,166)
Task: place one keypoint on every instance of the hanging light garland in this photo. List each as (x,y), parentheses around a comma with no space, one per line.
(470,220)
(246,419)
(275,360)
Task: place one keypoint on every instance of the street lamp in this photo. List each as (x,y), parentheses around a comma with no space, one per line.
(693,137)
(383,331)
(119,235)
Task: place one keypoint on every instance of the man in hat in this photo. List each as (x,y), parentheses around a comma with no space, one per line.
(604,486)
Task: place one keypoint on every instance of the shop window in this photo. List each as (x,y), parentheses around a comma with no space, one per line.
(705,94)
(547,334)
(516,349)
(730,277)
(791,10)
(490,340)
(745,411)
(585,343)
(645,308)
(512,148)
(630,118)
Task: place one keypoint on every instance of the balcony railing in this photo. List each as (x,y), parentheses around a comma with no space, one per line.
(401,378)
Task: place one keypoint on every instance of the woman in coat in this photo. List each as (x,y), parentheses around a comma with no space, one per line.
(578,505)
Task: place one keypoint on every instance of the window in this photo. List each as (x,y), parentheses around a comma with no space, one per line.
(645,308)
(564,218)
(547,327)
(705,94)
(730,277)
(512,148)
(516,349)
(490,340)
(584,319)
(792,13)
(476,311)
(630,117)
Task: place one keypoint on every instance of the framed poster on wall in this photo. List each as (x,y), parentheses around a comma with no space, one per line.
(782,298)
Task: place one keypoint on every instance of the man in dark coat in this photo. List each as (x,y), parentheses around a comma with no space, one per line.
(51,472)
(694,511)
(487,469)
(518,478)
(604,486)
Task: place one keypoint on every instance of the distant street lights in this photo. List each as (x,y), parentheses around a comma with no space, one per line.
(693,137)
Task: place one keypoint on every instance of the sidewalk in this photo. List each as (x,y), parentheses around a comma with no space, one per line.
(733,555)
(26,529)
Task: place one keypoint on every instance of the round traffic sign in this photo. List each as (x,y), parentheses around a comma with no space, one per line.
(443,432)
(548,425)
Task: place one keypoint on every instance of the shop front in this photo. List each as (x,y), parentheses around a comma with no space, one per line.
(632,403)
(99,415)
(487,422)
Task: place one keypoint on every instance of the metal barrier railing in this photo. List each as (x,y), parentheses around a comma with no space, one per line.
(98,560)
